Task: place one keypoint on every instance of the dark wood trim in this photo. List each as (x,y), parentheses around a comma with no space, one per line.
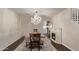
(14,45)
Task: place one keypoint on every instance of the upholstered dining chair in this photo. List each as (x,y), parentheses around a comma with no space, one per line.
(35,40)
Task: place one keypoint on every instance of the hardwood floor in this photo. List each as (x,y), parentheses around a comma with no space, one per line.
(60,47)
(14,45)
(48,45)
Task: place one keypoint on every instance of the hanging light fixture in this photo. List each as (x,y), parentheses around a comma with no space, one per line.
(36,19)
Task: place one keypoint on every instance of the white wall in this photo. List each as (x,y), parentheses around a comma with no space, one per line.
(28,27)
(8,28)
(70,29)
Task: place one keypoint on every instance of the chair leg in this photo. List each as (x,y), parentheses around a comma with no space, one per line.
(39,46)
(31,49)
(31,46)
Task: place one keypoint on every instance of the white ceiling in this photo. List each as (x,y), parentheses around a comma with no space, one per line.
(49,12)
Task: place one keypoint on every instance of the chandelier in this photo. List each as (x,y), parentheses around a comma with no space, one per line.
(36,19)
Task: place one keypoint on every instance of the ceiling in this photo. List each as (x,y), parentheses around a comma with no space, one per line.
(49,12)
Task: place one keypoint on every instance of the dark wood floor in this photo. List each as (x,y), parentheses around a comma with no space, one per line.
(60,47)
(14,45)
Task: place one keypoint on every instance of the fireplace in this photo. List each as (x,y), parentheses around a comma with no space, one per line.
(53,36)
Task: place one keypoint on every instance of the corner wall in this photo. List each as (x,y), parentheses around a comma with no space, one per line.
(70,29)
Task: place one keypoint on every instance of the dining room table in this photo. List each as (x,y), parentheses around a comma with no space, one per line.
(35,39)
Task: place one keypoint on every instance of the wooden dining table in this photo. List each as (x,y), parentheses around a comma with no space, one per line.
(35,40)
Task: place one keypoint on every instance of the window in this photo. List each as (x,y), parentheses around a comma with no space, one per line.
(75,15)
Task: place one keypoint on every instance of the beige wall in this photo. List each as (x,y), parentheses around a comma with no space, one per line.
(9,31)
(13,26)
(70,29)
(28,27)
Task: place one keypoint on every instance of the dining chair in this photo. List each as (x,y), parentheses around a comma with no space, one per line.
(35,41)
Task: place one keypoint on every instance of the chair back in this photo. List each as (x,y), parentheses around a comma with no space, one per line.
(34,36)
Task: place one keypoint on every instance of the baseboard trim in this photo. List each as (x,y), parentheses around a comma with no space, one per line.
(14,45)
(67,47)
(60,47)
